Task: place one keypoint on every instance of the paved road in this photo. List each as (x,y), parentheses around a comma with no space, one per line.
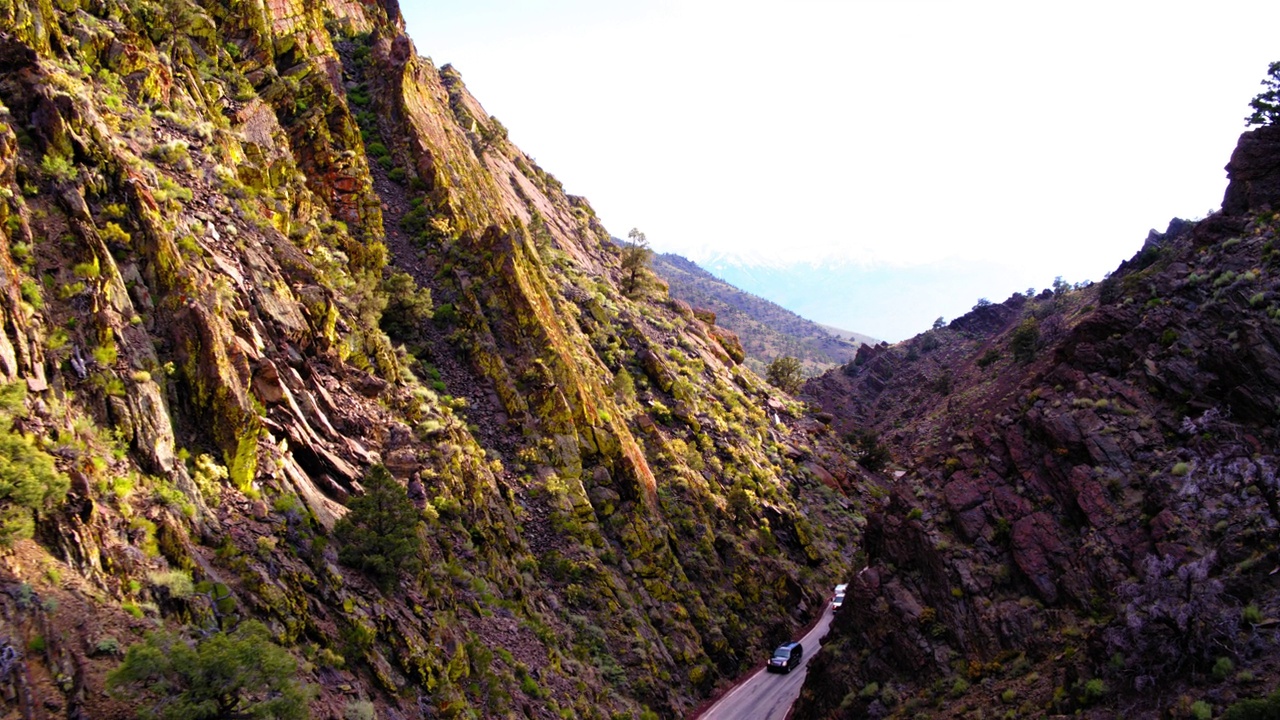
(766,695)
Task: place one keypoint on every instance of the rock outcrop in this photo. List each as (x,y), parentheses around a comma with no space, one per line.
(1086,520)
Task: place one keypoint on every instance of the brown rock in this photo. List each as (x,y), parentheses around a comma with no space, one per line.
(401,462)
(267,385)
(1254,171)
(728,340)
(1090,496)
(1039,553)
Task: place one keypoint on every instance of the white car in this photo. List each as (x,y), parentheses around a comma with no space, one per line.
(837,601)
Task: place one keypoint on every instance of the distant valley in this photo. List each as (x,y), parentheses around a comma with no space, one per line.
(767,330)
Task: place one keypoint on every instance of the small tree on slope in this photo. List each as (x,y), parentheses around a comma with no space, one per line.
(379,534)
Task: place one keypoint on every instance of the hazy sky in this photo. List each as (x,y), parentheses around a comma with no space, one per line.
(1028,140)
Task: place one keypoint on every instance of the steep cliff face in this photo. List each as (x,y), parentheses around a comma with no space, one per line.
(1088,516)
(250,250)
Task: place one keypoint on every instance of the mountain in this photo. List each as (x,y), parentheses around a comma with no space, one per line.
(313,384)
(1084,515)
(884,301)
(766,330)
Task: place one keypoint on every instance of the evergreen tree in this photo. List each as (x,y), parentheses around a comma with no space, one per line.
(379,534)
(408,307)
(786,373)
(1266,105)
(241,674)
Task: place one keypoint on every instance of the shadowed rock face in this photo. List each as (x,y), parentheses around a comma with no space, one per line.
(1103,509)
(1254,172)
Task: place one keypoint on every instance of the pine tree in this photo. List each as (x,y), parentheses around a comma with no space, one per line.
(1266,105)
(379,533)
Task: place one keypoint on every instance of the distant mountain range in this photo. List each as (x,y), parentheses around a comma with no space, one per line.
(884,301)
(767,330)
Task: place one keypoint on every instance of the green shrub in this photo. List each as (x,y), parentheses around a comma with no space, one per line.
(359,710)
(1093,691)
(177,582)
(1267,708)
(1223,667)
(1201,710)
(1251,614)
(107,646)
(445,313)
(31,293)
(29,480)
(174,152)
(106,353)
(624,386)
(227,675)
(87,270)
(59,166)
(1025,341)
(988,357)
(379,534)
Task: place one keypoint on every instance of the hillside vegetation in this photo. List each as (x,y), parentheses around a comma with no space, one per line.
(768,331)
(300,354)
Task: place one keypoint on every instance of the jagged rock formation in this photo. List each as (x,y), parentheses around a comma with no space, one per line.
(218,225)
(1088,518)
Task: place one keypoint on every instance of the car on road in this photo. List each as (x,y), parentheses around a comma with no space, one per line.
(838,598)
(786,658)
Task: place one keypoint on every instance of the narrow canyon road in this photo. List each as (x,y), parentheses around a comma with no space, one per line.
(765,695)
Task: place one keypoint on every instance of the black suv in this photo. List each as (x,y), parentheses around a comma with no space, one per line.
(786,658)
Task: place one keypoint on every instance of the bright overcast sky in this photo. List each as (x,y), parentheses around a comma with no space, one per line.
(1034,139)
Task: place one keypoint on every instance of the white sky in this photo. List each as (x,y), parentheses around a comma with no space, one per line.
(1033,139)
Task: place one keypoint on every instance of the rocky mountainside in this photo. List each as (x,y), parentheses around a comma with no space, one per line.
(251,254)
(1086,515)
(767,330)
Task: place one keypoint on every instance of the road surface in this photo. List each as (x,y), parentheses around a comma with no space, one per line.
(766,695)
